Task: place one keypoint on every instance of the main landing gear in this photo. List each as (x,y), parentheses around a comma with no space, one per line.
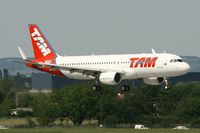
(123,88)
(97,86)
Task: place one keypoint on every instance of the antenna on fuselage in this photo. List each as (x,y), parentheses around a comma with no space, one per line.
(153,51)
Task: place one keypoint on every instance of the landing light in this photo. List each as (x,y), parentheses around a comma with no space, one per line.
(120,96)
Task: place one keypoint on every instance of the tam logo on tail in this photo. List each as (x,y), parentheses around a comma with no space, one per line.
(40,42)
(41,47)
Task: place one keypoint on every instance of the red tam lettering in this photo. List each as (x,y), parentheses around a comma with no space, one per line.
(132,61)
(150,62)
(140,62)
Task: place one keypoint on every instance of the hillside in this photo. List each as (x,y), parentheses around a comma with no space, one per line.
(14,67)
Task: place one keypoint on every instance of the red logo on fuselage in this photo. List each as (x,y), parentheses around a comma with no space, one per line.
(143,62)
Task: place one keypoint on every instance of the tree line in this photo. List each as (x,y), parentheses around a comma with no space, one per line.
(149,105)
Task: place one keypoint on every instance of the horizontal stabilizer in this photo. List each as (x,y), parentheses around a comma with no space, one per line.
(24,57)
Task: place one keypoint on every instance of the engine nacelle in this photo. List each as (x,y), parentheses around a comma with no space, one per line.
(110,78)
(153,80)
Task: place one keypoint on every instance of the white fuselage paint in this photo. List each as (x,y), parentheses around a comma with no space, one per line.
(164,66)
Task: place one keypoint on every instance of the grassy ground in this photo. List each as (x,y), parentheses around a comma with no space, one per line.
(95,130)
(11,122)
(21,122)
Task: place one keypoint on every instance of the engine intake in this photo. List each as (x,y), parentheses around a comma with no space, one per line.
(110,78)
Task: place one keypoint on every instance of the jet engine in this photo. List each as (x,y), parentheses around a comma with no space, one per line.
(110,78)
(153,80)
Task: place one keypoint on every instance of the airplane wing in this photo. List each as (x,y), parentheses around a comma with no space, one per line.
(89,71)
(75,68)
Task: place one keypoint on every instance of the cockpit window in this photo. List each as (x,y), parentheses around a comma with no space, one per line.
(180,60)
(176,60)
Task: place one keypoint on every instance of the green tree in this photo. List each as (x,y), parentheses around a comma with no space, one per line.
(5,86)
(78,103)
(25,100)
(7,105)
(45,108)
(180,103)
(188,109)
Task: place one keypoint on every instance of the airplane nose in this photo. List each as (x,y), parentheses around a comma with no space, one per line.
(186,68)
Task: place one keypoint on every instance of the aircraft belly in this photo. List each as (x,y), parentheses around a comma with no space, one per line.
(76,75)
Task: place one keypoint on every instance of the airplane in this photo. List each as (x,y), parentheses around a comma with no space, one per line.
(154,68)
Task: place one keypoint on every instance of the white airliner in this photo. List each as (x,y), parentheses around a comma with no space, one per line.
(153,68)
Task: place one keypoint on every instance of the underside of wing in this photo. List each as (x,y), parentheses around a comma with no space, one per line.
(71,69)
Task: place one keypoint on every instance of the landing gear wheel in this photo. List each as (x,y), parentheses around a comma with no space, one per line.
(96,88)
(166,87)
(124,88)
(166,83)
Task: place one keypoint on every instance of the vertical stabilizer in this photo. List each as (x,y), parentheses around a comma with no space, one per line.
(41,47)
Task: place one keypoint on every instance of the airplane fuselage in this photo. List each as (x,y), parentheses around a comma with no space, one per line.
(133,65)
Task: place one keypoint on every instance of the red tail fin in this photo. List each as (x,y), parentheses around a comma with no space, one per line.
(42,49)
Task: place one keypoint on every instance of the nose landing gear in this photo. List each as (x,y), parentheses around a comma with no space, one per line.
(166,83)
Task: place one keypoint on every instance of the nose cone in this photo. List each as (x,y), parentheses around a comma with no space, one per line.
(186,68)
